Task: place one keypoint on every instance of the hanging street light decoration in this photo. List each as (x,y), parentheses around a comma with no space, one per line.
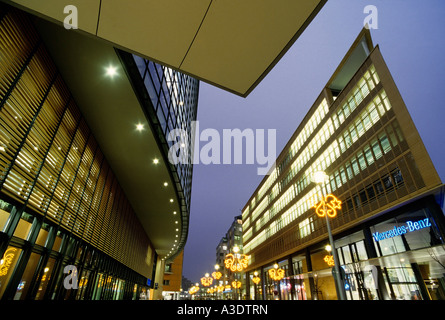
(206,280)
(193,290)
(329,259)
(236,262)
(328,206)
(255,278)
(276,273)
(236,284)
(216,274)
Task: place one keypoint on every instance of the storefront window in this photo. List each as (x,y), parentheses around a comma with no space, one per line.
(286,289)
(25,281)
(276,289)
(323,285)
(135,290)
(405,232)
(46,277)
(402,283)
(352,252)
(83,283)
(370,282)
(299,264)
(319,260)
(7,265)
(301,286)
(118,289)
(421,231)
(98,287)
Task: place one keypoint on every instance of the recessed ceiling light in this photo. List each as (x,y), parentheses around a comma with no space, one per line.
(165,184)
(177,229)
(174,212)
(155,161)
(171,200)
(111,71)
(139,127)
(176,222)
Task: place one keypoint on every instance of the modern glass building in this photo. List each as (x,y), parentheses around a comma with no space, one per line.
(390,231)
(90,206)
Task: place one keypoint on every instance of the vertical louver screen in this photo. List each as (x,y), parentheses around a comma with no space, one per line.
(49,160)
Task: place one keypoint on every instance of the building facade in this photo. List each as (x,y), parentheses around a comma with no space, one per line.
(172,288)
(232,238)
(69,210)
(389,233)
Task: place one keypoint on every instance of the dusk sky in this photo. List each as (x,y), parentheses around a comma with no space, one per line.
(410,37)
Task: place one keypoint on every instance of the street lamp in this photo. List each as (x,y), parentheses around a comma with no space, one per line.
(206,280)
(216,274)
(329,210)
(236,262)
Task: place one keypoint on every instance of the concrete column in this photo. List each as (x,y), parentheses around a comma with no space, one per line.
(159,280)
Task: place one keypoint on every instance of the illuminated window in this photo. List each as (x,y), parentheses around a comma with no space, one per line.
(306,227)
(357,127)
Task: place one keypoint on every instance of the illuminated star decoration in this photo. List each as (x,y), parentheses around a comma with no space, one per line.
(331,204)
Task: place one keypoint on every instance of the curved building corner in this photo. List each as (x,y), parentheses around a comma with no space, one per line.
(90,207)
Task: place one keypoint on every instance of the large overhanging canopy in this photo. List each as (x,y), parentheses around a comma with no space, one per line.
(231,44)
